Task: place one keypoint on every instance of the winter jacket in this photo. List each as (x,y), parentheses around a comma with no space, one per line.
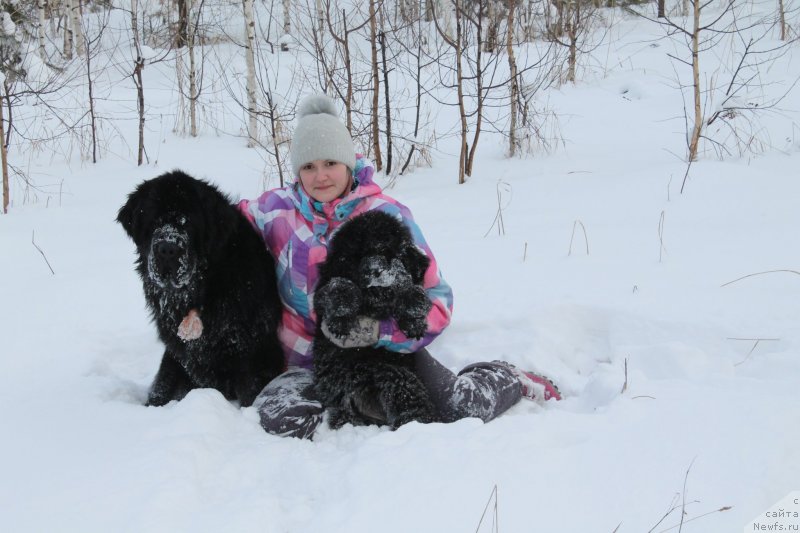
(297,229)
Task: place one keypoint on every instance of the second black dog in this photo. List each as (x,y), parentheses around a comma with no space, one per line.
(373,269)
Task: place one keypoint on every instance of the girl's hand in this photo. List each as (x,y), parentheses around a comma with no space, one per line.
(364,332)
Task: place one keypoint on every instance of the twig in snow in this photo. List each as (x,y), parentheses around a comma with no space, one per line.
(33,234)
(661,248)
(498,217)
(525,253)
(683,496)
(495,521)
(759,274)
(753,349)
(625,385)
(585,238)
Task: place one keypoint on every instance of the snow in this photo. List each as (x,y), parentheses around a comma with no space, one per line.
(669,395)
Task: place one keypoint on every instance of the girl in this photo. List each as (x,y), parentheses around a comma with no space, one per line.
(334,184)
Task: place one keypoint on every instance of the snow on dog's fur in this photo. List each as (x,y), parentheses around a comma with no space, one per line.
(209,283)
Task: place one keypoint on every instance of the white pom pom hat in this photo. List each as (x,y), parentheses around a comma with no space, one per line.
(320,134)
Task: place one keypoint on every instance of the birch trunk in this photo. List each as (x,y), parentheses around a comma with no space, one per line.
(180,123)
(249,26)
(512,69)
(698,115)
(68,36)
(287,25)
(77,28)
(42,5)
(782,14)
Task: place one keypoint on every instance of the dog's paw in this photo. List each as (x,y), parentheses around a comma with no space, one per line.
(412,307)
(339,299)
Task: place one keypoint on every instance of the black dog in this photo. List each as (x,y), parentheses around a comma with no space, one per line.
(373,269)
(210,285)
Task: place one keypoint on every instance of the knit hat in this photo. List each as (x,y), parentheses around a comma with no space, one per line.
(320,134)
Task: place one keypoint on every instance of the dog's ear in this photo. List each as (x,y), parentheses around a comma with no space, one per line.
(127,213)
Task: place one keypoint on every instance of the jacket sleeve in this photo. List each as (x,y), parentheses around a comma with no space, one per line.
(437,289)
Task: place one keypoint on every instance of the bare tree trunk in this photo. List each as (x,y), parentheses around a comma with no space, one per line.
(182,35)
(274,128)
(418,78)
(77,27)
(180,123)
(42,4)
(490,44)
(376,87)
(4,159)
(512,69)
(287,25)
(782,15)
(321,14)
(249,26)
(462,158)
(68,35)
(429,10)
(698,114)
(344,42)
(480,96)
(138,66)
(573,22)
(92,116)
(662,9)
(387,101)
(193,96)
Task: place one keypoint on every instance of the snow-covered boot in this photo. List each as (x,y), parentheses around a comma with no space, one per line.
(536,387)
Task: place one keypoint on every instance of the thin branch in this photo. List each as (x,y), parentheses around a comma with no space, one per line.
(33,235)
(760,274)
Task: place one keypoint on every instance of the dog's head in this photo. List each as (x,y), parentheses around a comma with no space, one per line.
(377,251)
(176,222)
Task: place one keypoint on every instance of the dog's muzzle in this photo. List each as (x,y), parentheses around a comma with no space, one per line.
(169,263)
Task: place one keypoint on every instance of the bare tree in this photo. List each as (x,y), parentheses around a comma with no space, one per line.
(75,17)
(250,38)
(513,77)
(341,37)
(376,86)
(287,25)
(69,36)
(725,98)
(11,68)
(41,33)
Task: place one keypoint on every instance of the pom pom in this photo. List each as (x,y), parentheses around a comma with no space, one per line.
(317,104)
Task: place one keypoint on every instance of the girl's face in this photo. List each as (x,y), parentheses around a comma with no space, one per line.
(325,180)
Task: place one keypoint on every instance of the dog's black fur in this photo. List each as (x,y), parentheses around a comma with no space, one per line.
(198,252)
(373,269)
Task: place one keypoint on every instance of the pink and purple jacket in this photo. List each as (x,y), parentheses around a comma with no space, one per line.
(296,230)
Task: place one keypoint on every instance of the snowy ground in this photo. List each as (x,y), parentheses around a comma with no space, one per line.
(80,452)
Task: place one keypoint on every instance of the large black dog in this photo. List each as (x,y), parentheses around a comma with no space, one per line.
(373,269)
(210,285)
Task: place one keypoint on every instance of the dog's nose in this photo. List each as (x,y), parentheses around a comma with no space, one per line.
(167,250)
